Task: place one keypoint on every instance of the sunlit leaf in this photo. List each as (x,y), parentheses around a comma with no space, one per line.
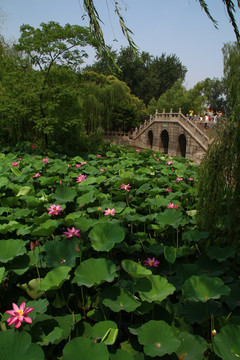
(134,269)
(87,348)
(105,235)
(15,345)
(11,248)
(202,288)
(158,338)
(55,278)
(118,299)
(95,271)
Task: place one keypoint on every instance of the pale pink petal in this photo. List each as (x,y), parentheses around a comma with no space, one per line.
(15,307)
(27,319)
(22,306)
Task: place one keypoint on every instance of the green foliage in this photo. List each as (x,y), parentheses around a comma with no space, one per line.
(107,103)
(95,294)
(147,76)
(219,185)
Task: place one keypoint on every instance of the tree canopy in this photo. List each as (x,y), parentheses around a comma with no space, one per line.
(219,189)
(147,76)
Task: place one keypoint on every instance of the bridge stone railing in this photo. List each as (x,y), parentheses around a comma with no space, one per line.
(192,128)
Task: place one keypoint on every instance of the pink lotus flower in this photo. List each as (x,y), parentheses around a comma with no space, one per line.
(137,150)
(168,190)
(72,232)
(151,262)
(109,212)
(69,165)
(15,163)
(125,187)
(83,163)
(18,314)
(170,162)
(179,179)
(98,156)
(54,209)
(45,160)
(78,165)
(33,146)
(157,159)
(172,206)
(36,175)
(102,170)
(191,178)
(81,178)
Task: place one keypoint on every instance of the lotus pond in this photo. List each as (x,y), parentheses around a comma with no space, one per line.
(101,258)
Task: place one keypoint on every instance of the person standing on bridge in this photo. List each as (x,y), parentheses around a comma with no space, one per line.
(190,114)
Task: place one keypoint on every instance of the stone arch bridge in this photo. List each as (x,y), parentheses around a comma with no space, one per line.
(170,133)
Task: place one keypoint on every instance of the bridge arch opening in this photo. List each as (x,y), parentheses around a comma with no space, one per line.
(181,146)
(150,139)
(164,142)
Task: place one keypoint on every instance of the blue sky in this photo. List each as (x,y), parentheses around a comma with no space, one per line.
(160,26)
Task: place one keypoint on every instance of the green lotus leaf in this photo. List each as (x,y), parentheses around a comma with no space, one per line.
(2,272)
(18,346)
(61,250)
(170,217)
(67,323)
(194,235)
(154,288)
(107,331)
(9,227)
(137,218)
(118,299)
(45,328)
(24,230)
(158,201)
(11,248)
(87,198)
(170,253)
(202,288)
(87,348)
(15,171)
(19,264)
(21,213)
(64,194)
(32,288)
(191,213)
(40,306)
(192,346)
(134,269)
(195,312)
(46,228)
(220,253)
(233,300)
(88,181)
(143,188)
(158,338)
(50,180)
(130,348)
(3,181)
(94,272)
(25,190)
(121,355)
(211,267)
(55,278)
(46,332)
(105,235)
(227,342)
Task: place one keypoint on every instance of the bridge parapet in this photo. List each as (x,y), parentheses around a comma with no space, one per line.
(173,117)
